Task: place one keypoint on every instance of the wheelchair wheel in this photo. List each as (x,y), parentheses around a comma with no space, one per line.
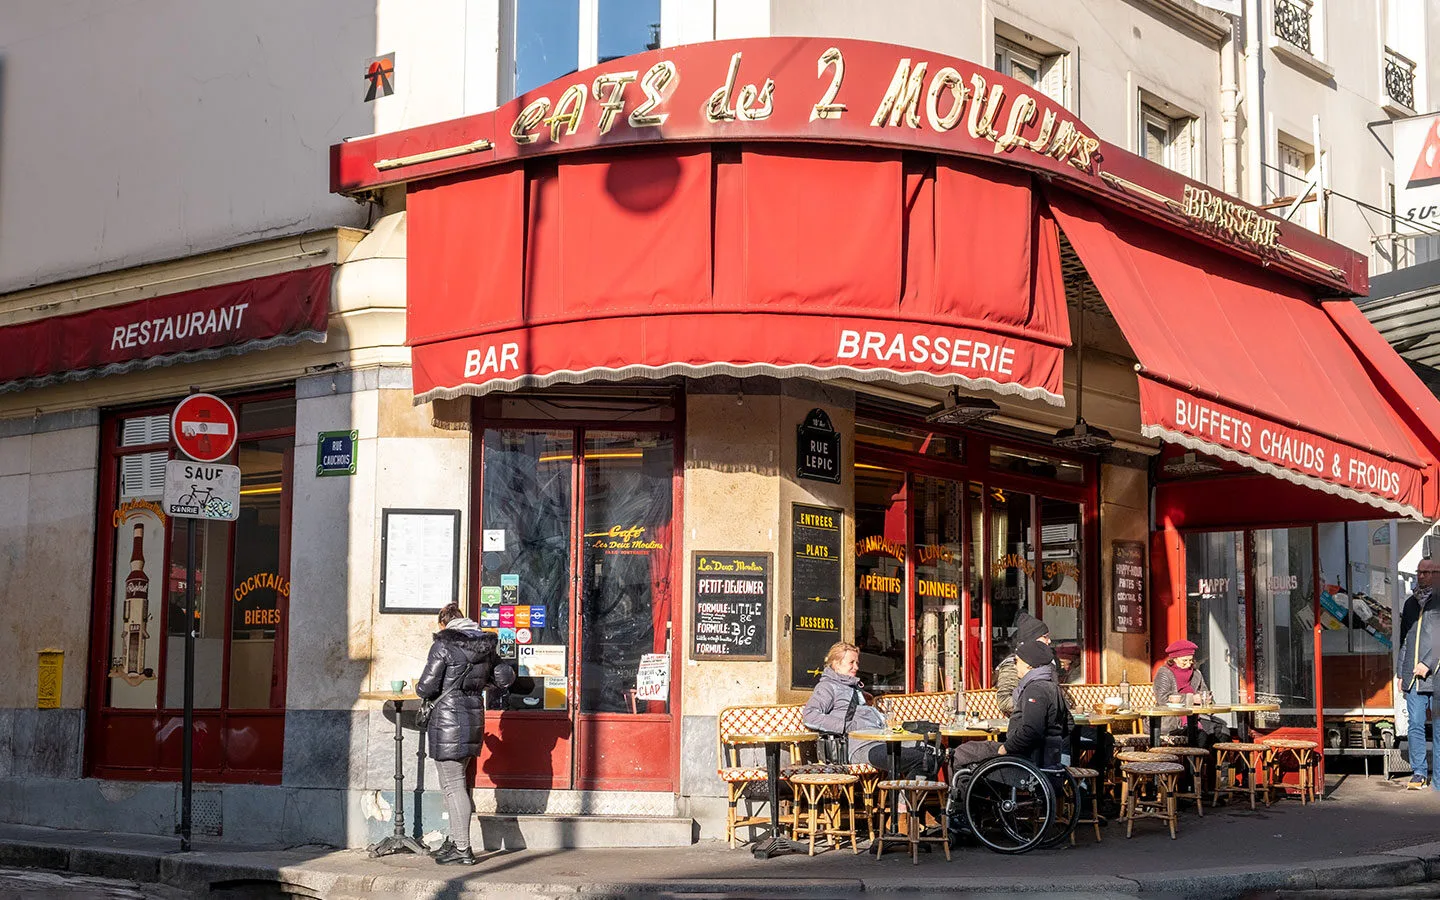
(1067,807)
(1009,805)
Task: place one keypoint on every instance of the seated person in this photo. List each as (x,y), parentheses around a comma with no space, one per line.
(1178,675)
(838,706)
(1041,720)
(1027,628)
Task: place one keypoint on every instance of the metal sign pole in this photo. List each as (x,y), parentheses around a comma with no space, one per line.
(188,747)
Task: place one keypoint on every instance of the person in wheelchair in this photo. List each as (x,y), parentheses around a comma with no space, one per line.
(1041,721)
(837,706)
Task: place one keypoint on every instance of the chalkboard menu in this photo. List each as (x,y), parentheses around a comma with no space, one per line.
(1127,560)
(732,605)
(817,448)
(814,589)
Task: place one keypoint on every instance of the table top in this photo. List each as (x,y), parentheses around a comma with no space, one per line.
(1256,707)
(948,731)
(389,696)
(1122,715)
(776,737)
(887,735)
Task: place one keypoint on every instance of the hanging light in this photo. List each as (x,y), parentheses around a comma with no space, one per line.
(1082,435)
(1190,464)
(961,411)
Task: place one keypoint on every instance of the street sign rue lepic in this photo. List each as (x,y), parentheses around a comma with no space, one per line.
(202,490)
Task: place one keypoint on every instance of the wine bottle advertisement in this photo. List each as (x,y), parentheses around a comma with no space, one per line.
(138,590)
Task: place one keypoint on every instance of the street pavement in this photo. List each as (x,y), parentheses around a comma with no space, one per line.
(39,884)
(1369,834)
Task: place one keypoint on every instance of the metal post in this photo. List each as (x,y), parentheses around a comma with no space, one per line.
(188,747)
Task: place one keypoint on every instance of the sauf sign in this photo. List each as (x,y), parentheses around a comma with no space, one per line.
(1417,169)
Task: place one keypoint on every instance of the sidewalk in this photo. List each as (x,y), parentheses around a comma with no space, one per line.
(1369,834)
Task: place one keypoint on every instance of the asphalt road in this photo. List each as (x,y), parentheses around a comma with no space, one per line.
(39,884)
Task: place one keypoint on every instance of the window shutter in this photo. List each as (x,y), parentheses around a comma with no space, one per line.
(1182,147)
(145,430)
(1053,77)
(143,474)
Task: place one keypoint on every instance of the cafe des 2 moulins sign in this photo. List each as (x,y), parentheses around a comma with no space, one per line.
(822,89)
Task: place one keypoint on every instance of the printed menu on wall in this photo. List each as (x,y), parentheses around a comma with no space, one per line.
(732,606)
(814,589)
(1127,560)
(419,559)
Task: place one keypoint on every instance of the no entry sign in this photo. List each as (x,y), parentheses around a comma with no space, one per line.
(204,427)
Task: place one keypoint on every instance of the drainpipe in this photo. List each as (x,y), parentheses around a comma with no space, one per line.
(1254,109)
(1230,109)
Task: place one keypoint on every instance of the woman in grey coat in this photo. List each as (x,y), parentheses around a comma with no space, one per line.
(838,706)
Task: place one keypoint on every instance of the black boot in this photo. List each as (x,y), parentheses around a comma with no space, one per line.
(445,847)
(455,857)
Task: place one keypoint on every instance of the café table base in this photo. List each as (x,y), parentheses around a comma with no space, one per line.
(397,843)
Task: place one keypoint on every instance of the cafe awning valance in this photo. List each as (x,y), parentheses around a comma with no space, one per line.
(1246,366)
(775,259)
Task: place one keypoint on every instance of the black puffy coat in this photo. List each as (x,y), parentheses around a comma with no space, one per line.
(457,722)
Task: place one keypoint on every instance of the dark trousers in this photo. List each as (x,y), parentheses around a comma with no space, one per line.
(973,752)
(912,760)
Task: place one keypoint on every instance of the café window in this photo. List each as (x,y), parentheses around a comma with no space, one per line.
(553,38)
(241,589)
(881,510)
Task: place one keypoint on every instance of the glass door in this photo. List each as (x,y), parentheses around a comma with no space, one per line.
(1215,609)
(579,521)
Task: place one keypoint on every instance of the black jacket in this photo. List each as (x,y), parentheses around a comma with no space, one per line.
(1041,721)
(457,723)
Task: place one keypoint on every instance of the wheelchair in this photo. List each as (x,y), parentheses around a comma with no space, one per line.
(1011,805)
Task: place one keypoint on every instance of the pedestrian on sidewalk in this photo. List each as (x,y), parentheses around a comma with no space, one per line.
(1415,665)
(461,666)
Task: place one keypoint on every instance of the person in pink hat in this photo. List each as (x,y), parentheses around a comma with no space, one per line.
(1178,675)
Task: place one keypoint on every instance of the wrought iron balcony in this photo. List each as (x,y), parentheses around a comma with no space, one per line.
(1292,22)
(1399,79)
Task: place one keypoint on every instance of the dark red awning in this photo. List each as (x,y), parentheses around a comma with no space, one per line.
(191,325)
(770,260)
(1248,367)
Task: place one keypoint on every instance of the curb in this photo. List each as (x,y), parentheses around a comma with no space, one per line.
(200,870)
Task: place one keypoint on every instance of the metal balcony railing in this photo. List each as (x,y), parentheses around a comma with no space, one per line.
(1399,79)
(1292,22)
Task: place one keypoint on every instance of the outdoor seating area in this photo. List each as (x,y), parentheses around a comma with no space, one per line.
(820,800)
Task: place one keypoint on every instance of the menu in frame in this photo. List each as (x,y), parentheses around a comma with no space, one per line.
(814,590)
(419,560)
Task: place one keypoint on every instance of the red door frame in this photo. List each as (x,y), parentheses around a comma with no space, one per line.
(975,469)
(151,734)
(579,758)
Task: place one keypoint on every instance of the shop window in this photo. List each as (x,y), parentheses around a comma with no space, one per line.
(261,591)
(626,570)
(527,499)
(553,38)
(1284,655)
(1036,465)
(1012,567)
(1358,588)
(976,672)
(212,552)
(1062,562)
(1215,609)
(903,439)
(1167,139)
(881,510)
(939,560)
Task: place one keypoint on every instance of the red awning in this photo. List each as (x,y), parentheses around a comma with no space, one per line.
(205,323)
(1246,366)
(767,260)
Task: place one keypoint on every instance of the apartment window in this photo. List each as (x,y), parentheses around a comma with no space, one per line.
(1404,46)
(1295,22)
(1167,140)
(1296,170)
(1035,68)
(553,38)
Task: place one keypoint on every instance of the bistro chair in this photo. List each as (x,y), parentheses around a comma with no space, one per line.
(917,793)
(819,797)
(1305,758)
(1089,781)
(1194,759)
(1159,803)
(744,779)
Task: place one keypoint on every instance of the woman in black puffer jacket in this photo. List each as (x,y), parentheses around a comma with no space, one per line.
(461,666)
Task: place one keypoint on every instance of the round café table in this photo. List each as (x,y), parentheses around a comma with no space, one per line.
(399,842)
(1245,713)
(776,843)
(1189,713)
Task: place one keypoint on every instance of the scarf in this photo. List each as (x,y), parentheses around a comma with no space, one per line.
(1039,673)
(462,624)
(1183,678)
